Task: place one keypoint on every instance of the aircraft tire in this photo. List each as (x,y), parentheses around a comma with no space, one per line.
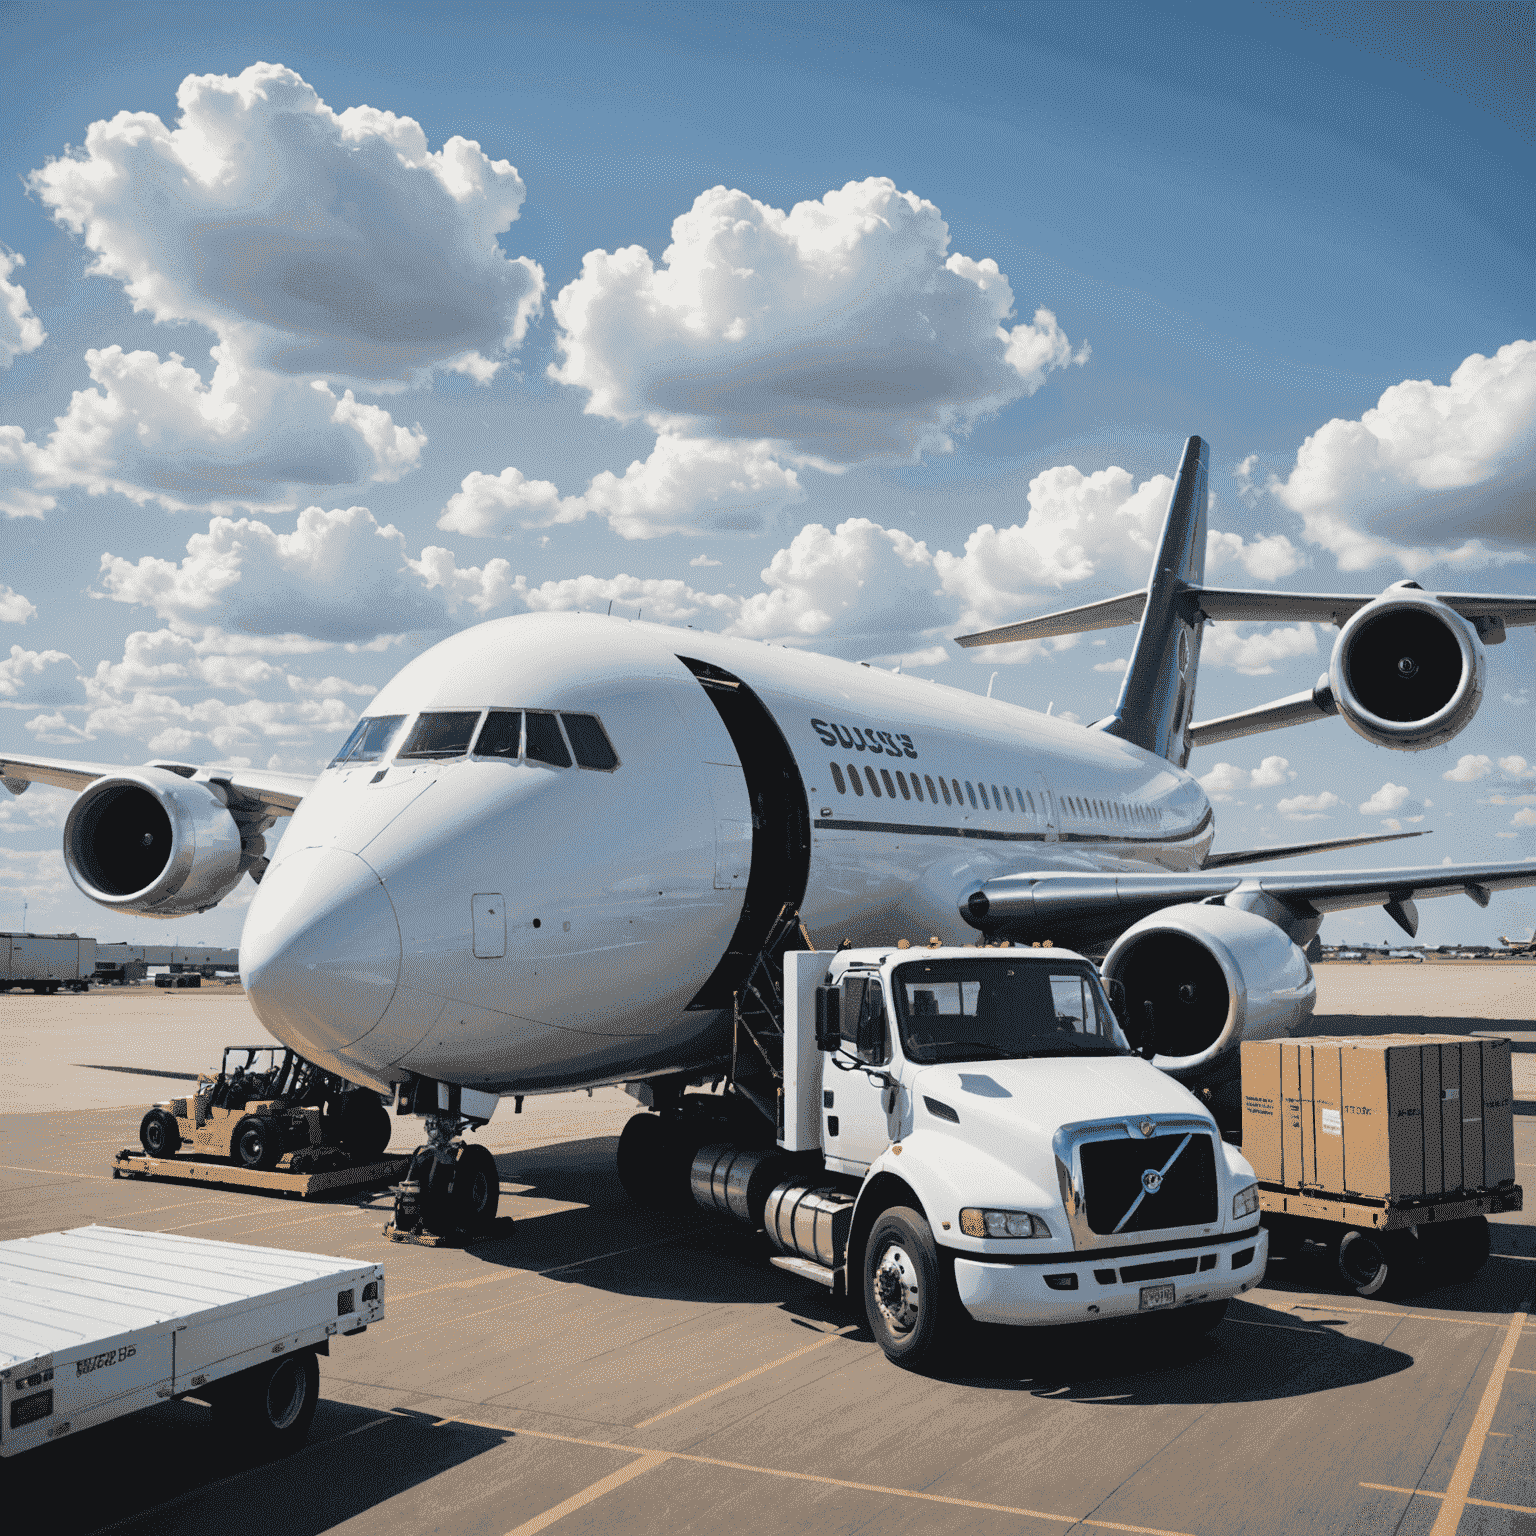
(159,1134)
(644,1153)
(476,1189)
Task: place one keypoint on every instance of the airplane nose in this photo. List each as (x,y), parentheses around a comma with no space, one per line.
(320,954)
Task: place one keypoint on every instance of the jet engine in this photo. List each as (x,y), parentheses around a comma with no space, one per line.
(148,841)
(1407,670)
(1214,975)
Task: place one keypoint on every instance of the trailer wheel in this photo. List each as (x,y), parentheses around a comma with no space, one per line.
(159,1134)
(908,1296)
(1372,1263)
(256,1143)
(476,1189)
(271,1406)
(364,1126)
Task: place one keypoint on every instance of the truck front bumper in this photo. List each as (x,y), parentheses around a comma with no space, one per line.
(1093,1287)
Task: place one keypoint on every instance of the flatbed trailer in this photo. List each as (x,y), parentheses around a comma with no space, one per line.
(281,1180)
(99,1322)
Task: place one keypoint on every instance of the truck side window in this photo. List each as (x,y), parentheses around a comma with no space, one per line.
(545,743)
(863,1017)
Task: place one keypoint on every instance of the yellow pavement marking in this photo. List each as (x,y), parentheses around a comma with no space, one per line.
(587,1495)
(736,1381)
(1521,1370)
(1429,1493)
(1472,1448)
(832,1482)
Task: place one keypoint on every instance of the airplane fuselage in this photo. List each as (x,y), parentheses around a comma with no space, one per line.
(520,926)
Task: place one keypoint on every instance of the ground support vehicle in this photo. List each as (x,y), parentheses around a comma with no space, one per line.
(281,1180)
(1391,1152)
(45,962)
(267,1101)
(99,1322)
(958,1134)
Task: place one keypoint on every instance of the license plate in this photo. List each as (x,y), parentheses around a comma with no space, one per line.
(1155,1296)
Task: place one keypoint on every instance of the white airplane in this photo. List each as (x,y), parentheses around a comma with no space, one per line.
(550,852)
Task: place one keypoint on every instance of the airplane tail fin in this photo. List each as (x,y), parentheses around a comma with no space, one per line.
(1157,694)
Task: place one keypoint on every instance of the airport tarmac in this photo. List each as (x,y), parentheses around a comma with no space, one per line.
(605,1368)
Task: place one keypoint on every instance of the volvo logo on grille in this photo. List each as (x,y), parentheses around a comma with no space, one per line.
(1147,1128)
(1151,1181)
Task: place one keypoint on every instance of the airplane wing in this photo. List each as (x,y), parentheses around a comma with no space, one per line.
(1021,906)
(1229,604)
(1295,850)
(256,789)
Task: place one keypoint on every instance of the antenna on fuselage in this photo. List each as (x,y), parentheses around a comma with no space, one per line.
(990,681)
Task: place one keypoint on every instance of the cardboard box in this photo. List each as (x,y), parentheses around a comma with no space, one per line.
(1389,1117)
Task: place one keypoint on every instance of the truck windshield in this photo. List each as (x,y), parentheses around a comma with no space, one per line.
(997,1010)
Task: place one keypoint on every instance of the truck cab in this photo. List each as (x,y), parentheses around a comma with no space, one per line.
(993,1146)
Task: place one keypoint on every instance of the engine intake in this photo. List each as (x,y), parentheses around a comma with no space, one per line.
(149,841)
(1215,975)
(1407,671)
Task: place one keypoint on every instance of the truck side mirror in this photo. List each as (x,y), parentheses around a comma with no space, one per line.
(1117,1004)
(869,1045)
(828,1018)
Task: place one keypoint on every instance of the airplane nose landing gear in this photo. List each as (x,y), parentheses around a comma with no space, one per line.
(452,1188)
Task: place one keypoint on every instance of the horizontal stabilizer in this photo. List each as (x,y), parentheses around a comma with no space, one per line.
(1296,850)
(1109,614)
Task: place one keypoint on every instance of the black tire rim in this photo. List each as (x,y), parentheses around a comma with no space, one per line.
(286,1390)
(1362,1262)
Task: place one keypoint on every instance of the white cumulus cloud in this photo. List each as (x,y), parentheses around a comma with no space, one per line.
(1308,807)
(1390,797)
(1470,767)
(14,608)
(20,330)
(1524,818)
(1432,472)
(1255,654)
(38,677)
(1266,558)
(1226,780)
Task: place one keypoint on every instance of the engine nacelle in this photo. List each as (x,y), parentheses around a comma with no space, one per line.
(146,840)
(1407,670)
(1215,976)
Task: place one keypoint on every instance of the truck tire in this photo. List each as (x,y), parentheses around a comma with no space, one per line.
(270,1407)
(363,1127)
(476,1189)
(256,1143)
(908,1289)
(159,1134)
(1375,1263)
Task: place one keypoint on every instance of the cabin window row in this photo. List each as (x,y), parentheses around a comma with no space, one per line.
(886,783)
(511,735)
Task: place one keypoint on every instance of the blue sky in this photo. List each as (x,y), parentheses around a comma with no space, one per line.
(1302,231)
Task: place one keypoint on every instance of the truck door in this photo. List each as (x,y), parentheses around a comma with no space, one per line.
(857,1107)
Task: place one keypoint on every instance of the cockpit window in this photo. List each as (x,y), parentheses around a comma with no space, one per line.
(963,1010)
(501,735)
(370,740)
(589,741)
(545,743)
(439,735)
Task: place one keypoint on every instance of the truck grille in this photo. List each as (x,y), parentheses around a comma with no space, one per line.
(1147,1186)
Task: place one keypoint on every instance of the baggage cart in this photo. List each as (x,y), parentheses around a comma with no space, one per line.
(99,1322)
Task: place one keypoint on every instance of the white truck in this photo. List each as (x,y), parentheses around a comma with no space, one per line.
(967,1133)
(99,1322)
(46,961)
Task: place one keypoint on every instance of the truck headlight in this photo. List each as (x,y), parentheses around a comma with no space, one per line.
(1245,1202)
(983,1223)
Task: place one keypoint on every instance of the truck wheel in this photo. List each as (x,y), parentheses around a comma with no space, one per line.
(907,1294)
(364,1129)
(1458,1248)
(476,1189)
(642,1159)
(1374,1263)
(271,1406)
(256,1143)
(159,1134)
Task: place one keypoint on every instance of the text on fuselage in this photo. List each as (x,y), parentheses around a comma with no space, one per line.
(853,738)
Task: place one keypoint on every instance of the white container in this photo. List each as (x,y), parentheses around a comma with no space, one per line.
(99,1322)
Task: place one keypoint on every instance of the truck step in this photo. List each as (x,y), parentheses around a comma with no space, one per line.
(807,1269)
